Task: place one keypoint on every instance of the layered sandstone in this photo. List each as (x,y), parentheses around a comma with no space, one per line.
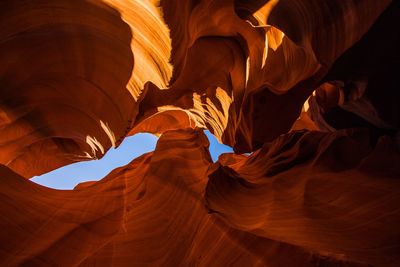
(309,88)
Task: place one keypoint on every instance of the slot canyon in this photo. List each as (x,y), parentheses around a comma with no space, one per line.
(303,91)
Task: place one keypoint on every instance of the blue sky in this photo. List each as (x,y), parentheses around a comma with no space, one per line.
(132,147)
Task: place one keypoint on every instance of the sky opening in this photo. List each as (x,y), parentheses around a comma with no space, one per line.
(69,176)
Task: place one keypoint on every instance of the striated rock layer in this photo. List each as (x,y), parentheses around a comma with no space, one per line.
(152,213)
(309,88)
(71,76)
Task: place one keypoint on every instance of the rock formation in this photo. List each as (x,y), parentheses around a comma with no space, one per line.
(306,89)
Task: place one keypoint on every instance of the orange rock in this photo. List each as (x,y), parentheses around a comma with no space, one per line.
(79,76)
(330,193)
(148,213)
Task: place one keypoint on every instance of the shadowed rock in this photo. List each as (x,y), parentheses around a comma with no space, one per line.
(76,77)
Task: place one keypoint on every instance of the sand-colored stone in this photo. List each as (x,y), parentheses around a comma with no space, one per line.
(309,88)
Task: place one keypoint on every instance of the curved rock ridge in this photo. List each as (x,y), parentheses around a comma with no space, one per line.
(330,193)
(257,63)
(139,216)
(78,76)
(71,77)
(360,90)
(90,60)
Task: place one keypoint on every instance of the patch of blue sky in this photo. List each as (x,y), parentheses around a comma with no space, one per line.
(69,176)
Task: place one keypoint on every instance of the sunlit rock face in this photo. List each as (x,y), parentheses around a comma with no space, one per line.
(309,87)
(71,76)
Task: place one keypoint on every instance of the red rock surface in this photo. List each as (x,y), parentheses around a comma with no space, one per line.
(79,76)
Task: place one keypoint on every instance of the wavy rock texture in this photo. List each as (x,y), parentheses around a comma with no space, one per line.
(327,193)
(148,213)
(260,61)
(71,74)
(79,76)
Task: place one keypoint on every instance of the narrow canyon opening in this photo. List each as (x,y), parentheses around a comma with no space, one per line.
(67,177)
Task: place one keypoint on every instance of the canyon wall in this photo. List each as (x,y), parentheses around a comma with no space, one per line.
(306,93)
